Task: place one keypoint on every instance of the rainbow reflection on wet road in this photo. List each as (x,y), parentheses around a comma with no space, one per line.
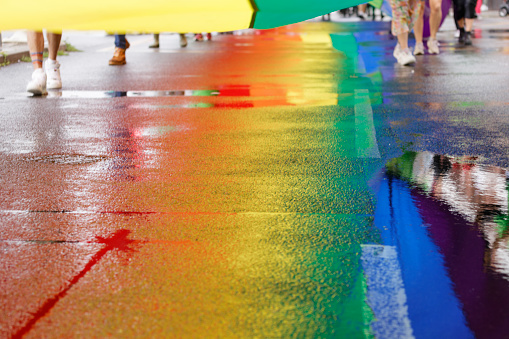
(279,183)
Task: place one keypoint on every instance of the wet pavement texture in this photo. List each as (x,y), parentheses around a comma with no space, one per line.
(293,182)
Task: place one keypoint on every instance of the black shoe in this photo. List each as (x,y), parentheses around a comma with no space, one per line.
(468,41)
(461,38)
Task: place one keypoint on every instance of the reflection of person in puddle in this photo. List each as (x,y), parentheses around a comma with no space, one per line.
(478,194)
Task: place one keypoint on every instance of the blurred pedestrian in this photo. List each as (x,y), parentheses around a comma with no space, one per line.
(404,16)
(49,77)
(435,18)
(199,36)
(182,40)
(464,14)
(121,44)
(361,11)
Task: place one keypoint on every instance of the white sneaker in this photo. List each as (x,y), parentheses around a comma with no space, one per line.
(397,51)
(37,85)
(405,58)
(433,46)
(53,72)
(419,49)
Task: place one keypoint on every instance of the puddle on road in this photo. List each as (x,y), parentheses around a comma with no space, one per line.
(447,217)
(138,94)
(67,159)
(274,95)
(477,193)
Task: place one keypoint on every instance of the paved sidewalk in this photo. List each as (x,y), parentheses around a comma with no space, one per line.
(14,47)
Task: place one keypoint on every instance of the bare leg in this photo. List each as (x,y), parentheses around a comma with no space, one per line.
(461,23)
(54,43)
(361,11)
(435,17)
(36,86)
(403,40)
(419,25)
(469,25)
(36,48)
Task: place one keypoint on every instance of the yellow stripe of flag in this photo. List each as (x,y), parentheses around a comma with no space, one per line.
(127,15)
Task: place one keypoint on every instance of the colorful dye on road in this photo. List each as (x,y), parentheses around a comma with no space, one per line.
(256,194)
(117,242)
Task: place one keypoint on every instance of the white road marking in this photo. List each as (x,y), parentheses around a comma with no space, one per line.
(386,292)
(365,135)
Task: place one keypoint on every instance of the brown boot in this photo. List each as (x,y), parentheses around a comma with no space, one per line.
(118,57)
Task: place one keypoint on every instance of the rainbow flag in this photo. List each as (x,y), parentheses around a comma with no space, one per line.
(162,15)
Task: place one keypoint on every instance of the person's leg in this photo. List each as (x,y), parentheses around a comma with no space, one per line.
(469,14)
(478,7)
(37,85)
(401,22)
(183,40)
(435,17)
(121,44)
(459,18)
(461,28)
(418,31)
(53,44)
(419,25)
(121,41)
(469,19)
(404,15)
(361,11)
(469,24)
(414,11)
(36,48)
(52,66)
(403,41)
(155,44)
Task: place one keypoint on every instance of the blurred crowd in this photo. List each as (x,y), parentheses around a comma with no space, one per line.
(406,16)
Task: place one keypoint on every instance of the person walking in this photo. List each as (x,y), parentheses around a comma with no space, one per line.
(464,14)
(435,18)
(182,40)
(199,37)
(404,16)
(49,77)
(361,11)
(121,44)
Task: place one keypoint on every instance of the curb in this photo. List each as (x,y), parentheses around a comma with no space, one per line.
(13,52)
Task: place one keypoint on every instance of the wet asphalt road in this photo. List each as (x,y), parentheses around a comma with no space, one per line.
(290,182)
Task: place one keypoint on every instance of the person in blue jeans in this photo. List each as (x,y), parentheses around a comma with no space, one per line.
(121,44)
